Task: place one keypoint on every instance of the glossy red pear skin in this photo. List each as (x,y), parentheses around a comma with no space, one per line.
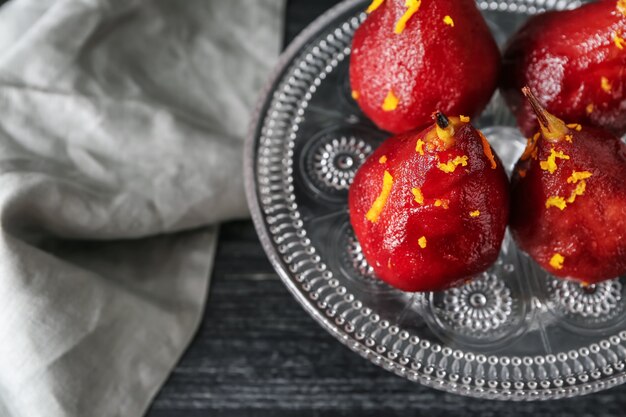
(589,233)
(428,66)
(562,57)
(457,244)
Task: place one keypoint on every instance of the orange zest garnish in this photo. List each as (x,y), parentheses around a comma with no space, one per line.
(474,213)
(379,204)
(487,150)
(556,201)
(419,147)
(422,242)
(578,176)
(355,95)
(618,40)
(412,8)
(374,5)
(550,163)
(556,261)
(448,21)
(450,166)
(621,6)
(580,190)
(589,108)
(464,119)
(391,102)
(382,159)
(442,203)
(531,147)
(418,196)
(561,203)
(606,84)
(575,126)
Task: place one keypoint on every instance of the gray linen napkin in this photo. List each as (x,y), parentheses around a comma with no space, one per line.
(121,124)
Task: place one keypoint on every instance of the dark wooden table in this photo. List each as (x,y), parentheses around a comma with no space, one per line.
(258,353)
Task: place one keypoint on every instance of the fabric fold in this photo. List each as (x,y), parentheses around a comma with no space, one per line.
(120,150)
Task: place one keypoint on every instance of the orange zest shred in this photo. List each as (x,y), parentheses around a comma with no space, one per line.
(442,203)
(422,242)
(464,119)
(487,150)
(569,138)
(391,102)
(448,21)
(619,41)
(621,6)
(412,8)
(606,84)
(550,163)
(561,203)
(474,213)
(450,166)
(556,261)
(373,214)
(419,147)
(531,147)
(578,176)
(580,190)
(556,201)
(355,95)
(417,194)
(382,159)
(374,5)
(589,108)
(575,126)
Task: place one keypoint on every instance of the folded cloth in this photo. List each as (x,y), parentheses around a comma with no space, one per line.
(121,124)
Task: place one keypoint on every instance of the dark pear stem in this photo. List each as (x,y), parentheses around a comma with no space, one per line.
(537,107)
(441,119)
(444,129)
(553,129)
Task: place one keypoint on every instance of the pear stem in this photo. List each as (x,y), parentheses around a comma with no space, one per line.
(553,129)
(537,107)
(444,129)
(442,121)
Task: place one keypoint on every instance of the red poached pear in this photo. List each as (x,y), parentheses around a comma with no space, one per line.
(568,202)
(430,208)
(575,62)
(410,57)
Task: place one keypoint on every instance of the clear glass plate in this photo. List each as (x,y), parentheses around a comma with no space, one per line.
(514,333)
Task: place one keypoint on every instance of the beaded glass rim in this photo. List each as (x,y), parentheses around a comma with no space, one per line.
(269,179)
